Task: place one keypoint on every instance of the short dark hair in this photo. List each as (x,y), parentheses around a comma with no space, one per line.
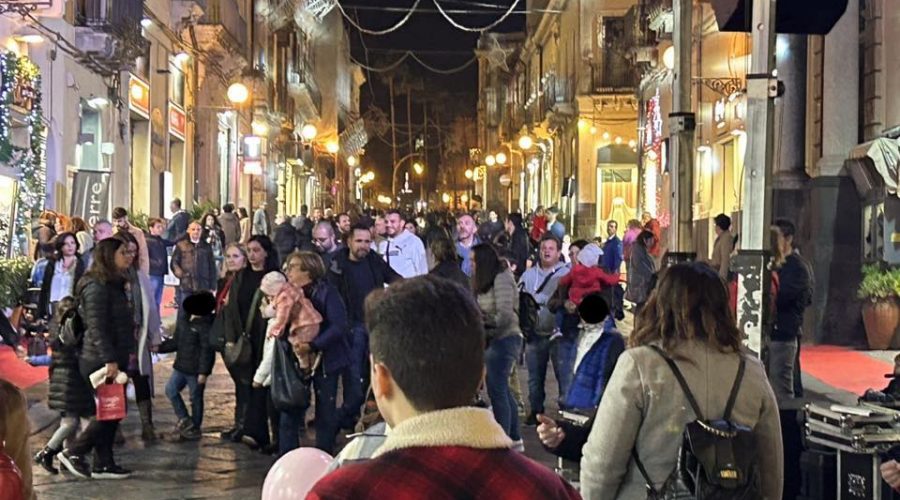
(787,228)
(396,211)
(155,220)
(429,333)
(443,249)
(723,222)
(550,237)
(228,208)
(176,202)
(119,212)
(359,226)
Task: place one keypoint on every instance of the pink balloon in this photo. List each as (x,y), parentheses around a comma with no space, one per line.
(294,474)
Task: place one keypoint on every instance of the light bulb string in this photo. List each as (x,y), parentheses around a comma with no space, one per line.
(407,55)
(378,32)
(489,27)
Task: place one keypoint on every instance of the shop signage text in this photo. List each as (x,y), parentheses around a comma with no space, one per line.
(177,121)
(139,96)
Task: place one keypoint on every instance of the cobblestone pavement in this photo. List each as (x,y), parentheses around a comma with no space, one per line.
(209,468)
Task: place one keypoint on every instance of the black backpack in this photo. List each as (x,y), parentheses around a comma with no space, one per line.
(718,459)
(529,308)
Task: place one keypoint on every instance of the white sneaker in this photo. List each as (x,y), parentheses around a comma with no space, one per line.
(519,446)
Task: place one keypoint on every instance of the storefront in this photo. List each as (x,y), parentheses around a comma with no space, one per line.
(655,182)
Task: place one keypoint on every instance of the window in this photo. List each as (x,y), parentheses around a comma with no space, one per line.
(176,84)
(142,63)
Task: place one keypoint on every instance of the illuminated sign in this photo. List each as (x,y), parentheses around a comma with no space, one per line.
(139,96)
(177,121)
(719,113)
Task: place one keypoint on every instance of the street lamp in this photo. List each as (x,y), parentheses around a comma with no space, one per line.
(525,142)
(501,158)
(469,173)
(418,168)
(332,147)
(308,132)
(490,161)
(238,93)
(352,161)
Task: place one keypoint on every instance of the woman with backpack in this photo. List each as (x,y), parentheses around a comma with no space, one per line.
(68,393)
(686,330)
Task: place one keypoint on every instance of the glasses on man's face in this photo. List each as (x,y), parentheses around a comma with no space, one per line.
(321,240)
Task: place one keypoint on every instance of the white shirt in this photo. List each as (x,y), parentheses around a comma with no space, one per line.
(63,282)
(405,254)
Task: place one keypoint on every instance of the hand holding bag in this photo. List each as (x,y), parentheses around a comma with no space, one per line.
(290,385)
(238,352)
(110,402)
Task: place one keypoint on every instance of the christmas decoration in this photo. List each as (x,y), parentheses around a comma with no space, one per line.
(20,88)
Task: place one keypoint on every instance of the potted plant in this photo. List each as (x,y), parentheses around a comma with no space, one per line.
(880,290)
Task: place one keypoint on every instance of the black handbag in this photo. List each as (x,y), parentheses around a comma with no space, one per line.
(238,352)
(290,386)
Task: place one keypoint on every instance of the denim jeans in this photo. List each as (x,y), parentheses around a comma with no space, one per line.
(782,356)
(327,423)
(499,359)
(353,377)
(176,384)
(289,422)
(158,283)
(539,352)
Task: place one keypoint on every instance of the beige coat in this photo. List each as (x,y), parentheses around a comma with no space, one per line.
(643,407)
(721,256)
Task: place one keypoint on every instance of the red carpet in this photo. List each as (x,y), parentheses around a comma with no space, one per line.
(19,372)
(844,368)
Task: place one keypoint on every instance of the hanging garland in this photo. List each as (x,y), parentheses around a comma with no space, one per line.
(27,161)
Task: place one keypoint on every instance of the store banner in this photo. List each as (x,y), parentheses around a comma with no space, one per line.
(90,196)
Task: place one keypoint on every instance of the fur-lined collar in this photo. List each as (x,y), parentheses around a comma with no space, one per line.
(468,426)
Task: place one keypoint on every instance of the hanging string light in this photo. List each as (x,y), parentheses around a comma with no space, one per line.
(411,55)
(476,30)
(379,32)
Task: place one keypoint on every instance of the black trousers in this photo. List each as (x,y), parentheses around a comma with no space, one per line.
(242,390)
(98,436)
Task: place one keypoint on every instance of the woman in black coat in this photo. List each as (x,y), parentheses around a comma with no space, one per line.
(519,245)
(106,310)
(240,310)
(63,271)
(68,392)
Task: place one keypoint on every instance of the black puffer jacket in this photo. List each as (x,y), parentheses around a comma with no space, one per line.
(194,356)
(109,328)
(68,390)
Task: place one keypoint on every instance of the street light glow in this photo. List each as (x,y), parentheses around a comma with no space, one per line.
(445,198)
(469,173)
(352,161)
(332,147)
(525,142)
(418,168)
(309,132)
(490,161)
(259,128)
(501,158)
(181,58)
(238,93)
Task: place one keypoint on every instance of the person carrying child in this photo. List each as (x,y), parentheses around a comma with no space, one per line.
(194,360)
(285,307)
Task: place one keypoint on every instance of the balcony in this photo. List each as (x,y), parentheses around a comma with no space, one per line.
(613,71)
(303,89)
(109,32)
(221,30)
(660,15)
(559,95)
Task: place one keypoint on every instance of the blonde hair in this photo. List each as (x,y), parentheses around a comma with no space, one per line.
(309,262)
(225,273)
(14,432)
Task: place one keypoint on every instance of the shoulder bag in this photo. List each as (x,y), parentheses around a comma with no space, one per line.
(290,386)
(238,352)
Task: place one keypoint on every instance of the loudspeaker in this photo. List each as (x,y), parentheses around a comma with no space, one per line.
(792,441)
(805,17)
(818,474)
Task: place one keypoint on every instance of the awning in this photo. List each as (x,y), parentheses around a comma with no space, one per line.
(875,164)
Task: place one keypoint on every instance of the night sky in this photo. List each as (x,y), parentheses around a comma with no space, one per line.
(439,44)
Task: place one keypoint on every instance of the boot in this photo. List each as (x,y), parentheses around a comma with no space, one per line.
(237,432)
(148,433)
(45,459)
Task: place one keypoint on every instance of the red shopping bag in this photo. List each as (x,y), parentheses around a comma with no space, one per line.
(110,401)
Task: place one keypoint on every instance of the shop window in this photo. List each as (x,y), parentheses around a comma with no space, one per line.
(90,139)
(176,84)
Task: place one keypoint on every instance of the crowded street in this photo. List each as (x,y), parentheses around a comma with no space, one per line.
(449,249)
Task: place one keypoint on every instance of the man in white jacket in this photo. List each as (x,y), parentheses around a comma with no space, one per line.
(402,250)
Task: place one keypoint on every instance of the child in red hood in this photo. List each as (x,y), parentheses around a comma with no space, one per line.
(586,277)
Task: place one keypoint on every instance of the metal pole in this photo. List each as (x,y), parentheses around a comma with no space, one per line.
(393,138)
(762,87)
(682,124)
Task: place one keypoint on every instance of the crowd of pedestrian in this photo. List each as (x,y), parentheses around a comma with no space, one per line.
(346,296)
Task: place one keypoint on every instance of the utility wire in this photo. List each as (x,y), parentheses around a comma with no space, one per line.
(476,30)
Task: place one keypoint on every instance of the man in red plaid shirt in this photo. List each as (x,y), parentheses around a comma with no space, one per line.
(427,345)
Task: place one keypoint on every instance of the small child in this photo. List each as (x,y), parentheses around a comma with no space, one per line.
(586,277)
(599,347)
(285,307)
(194,361)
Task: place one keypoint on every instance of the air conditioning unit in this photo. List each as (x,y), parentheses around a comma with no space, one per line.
(101,45)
